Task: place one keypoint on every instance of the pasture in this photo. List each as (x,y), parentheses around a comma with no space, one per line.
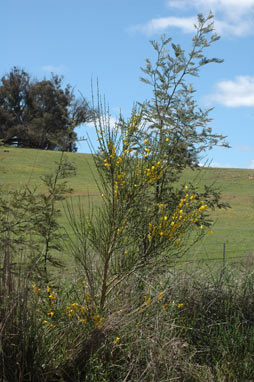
(186,324)
(234,226)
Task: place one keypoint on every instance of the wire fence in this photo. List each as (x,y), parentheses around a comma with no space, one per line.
(221,253)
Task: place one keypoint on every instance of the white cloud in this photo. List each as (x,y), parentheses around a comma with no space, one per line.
(112,122)
(233,9)
(160,24)
(235,29)
(234,17)
(60,69)
(239,92)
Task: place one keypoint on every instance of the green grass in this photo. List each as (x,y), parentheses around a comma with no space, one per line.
(178,325)
(234,226)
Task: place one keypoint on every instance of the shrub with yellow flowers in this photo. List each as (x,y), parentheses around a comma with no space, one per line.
(142,221)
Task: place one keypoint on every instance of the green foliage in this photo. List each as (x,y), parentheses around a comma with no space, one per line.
(29,220)
(40,114)
(146,218)
(135,227)
(173,111)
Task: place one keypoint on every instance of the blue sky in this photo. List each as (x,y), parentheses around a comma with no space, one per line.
(109,40)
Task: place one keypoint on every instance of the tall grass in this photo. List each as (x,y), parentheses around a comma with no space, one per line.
(156,323)
(180,325)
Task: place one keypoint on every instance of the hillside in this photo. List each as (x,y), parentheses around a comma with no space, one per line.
(234,226)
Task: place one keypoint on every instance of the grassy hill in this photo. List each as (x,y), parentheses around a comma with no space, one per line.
(234,226)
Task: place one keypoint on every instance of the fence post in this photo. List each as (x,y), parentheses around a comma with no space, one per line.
(224,255)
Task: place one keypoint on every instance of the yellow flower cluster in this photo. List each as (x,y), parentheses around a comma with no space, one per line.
(111,157)
(84,313)
(154,172)
(36,289)
(173,227)
(48,323)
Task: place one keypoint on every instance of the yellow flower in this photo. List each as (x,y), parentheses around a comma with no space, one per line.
(165,218)
(159,298)
(166,139)
(179,306)
(147,300)
(146,141)
(203,207)
(186,188)
(147,150)
(99,323)
(47,323)
(36,289)
(51,314)
(116,340)
(52,296)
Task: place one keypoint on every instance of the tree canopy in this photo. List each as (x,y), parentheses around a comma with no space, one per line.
(40,114)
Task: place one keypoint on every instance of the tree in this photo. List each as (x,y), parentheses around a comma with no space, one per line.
(13,103)
(40,114)
(147,219)
(173,112)
(172,119)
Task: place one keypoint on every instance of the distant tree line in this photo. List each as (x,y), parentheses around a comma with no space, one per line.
(40,114)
